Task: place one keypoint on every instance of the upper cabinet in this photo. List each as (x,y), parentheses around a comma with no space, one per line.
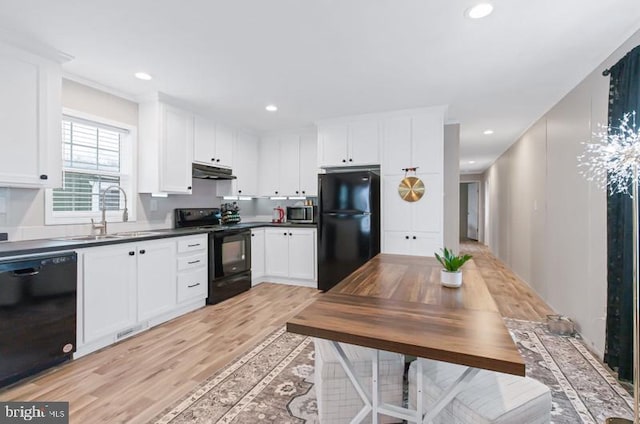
(165,148)
(287,165)
(30,120)
(213,143)
(355,143)
(413,141)
(245,165)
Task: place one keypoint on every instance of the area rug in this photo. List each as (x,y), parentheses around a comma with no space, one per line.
(273,383)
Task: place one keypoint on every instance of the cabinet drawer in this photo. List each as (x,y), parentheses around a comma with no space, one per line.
(192,261)
(192,284)
(192,244)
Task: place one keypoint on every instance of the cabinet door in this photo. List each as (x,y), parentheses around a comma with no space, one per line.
(308,165)
(245,165)
(276,252)
(269,165)
(332,145)
(224,146)
(109,303)
(302,254)
(397,243)
(396,212)
(204,141)
(426,213)
(176,150)
(30,120)
(425,244)
(397,145)
(156,278)
(364,143)
(427,135)
(257,253)
(289,165)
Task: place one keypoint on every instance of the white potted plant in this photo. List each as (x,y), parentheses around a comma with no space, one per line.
(451,275)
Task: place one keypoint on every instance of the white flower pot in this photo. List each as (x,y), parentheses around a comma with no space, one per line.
(451,279)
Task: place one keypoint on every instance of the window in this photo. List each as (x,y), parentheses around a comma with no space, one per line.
(96,155)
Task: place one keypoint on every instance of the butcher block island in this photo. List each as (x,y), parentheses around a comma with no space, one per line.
(396,304)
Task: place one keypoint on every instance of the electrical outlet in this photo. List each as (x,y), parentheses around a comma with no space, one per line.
(153,205)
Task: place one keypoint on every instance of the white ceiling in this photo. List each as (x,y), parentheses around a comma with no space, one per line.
(325,58)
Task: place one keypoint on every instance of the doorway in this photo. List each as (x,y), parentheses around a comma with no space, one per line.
(469,210)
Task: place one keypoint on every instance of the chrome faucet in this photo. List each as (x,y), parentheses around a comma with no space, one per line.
(103,224)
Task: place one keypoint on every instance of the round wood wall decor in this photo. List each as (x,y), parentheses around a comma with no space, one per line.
(411,189)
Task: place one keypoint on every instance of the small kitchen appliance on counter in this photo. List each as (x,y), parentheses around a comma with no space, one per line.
(229,251)
(302,214)
(278,215)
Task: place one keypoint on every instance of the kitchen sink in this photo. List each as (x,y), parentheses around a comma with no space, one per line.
(89,238)
(135,234)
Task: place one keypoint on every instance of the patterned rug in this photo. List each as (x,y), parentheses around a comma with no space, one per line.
(273,383)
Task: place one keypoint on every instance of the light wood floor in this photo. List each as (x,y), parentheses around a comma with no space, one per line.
(136,379)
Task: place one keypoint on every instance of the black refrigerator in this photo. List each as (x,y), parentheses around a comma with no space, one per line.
(348,224)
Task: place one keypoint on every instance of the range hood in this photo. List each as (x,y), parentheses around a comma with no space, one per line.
(207,172)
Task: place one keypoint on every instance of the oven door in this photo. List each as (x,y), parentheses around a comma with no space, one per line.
(231,253)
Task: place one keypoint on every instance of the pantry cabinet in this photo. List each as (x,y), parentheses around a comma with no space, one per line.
(30,120)
(165,148)
(213,143)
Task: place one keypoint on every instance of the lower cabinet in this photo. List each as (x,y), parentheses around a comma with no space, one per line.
(411,243)
(257,255)
(126,288)
(290,254)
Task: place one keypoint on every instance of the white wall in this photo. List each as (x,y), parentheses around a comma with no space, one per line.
(451,217)
(546,221)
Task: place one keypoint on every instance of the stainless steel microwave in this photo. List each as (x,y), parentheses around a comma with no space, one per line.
(301,214)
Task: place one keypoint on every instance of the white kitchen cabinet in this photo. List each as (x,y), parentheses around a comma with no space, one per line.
(269,167)
(288,165)
(302,254)
(413,141)
(245,165)
(308,165)
(109,275)
(129,287)
(165,148)
(257,255)
(156,277)
(276,252)
(290,253)
(212,143)
(411,243)
(192,263)
(355,143)
(30,120)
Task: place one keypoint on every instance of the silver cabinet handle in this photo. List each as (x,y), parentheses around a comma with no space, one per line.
(193,285)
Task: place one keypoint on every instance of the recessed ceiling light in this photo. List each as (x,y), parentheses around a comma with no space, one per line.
(487,132)
(143,76)
(271,108)
(479,11)
(471,162)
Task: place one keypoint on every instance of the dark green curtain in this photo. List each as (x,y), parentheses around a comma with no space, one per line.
(624,97)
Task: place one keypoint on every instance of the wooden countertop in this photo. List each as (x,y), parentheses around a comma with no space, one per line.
(396,303)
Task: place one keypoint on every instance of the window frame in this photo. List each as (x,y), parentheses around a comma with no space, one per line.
(128,161)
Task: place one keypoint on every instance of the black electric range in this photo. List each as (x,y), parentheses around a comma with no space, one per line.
(229,251)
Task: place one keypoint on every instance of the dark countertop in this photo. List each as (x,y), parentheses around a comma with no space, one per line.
(28,247)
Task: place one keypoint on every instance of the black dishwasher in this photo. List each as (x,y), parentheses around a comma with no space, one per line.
(37,313)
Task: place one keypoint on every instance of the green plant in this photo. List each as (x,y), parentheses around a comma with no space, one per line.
(450,261)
